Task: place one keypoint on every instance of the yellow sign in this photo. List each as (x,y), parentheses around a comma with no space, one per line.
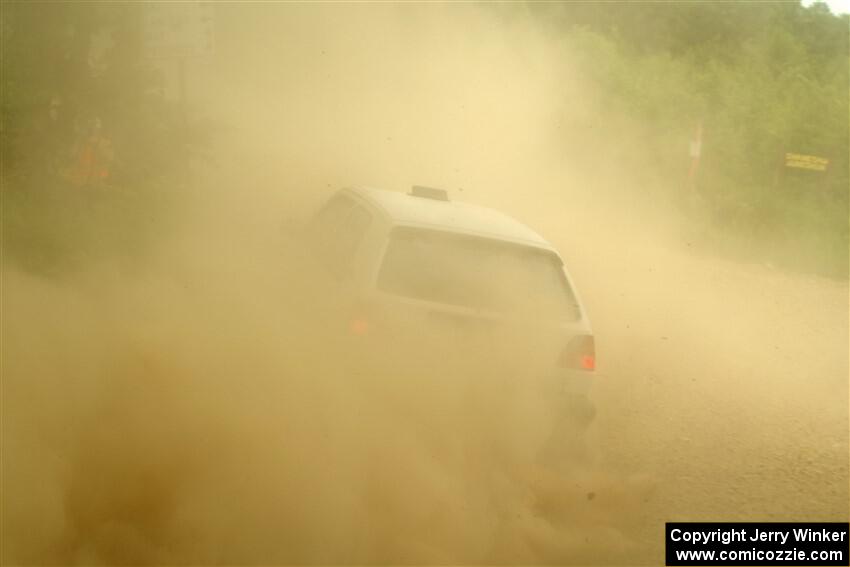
(801,161)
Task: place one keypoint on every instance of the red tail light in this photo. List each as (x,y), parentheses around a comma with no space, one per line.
(580,353)
(359,326)
(362,318)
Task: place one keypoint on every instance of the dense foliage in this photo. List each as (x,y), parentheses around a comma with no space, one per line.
(90,146)
(763,80)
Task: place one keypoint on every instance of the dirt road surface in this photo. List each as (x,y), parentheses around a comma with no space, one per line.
(179,419)
(725,384)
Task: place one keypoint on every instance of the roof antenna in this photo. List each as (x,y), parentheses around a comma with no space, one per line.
(429,193)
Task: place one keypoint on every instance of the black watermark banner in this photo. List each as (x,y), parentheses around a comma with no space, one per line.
(754,543)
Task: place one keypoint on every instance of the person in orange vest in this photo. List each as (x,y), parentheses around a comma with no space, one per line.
(93,158)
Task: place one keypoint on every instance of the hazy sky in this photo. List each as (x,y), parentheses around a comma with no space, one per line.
(836,6)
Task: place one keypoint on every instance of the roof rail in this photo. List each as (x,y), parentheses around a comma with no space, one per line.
(429,193)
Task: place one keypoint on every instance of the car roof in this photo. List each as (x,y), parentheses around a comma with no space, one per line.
(404,209)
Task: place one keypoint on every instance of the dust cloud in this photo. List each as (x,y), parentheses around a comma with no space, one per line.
(201,405)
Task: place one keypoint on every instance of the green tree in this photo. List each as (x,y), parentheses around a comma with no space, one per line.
(73,79)
(763,78)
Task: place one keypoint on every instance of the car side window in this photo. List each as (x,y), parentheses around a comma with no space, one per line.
(351,232)
(338,230)
(330,217)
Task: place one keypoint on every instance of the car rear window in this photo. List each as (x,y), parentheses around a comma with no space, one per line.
(475,272)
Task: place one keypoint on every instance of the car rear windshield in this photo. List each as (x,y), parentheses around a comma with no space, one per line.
(475,272)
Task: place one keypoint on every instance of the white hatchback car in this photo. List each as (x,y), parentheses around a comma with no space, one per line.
(426,259)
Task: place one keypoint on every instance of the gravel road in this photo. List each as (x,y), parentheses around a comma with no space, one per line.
(723,388)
